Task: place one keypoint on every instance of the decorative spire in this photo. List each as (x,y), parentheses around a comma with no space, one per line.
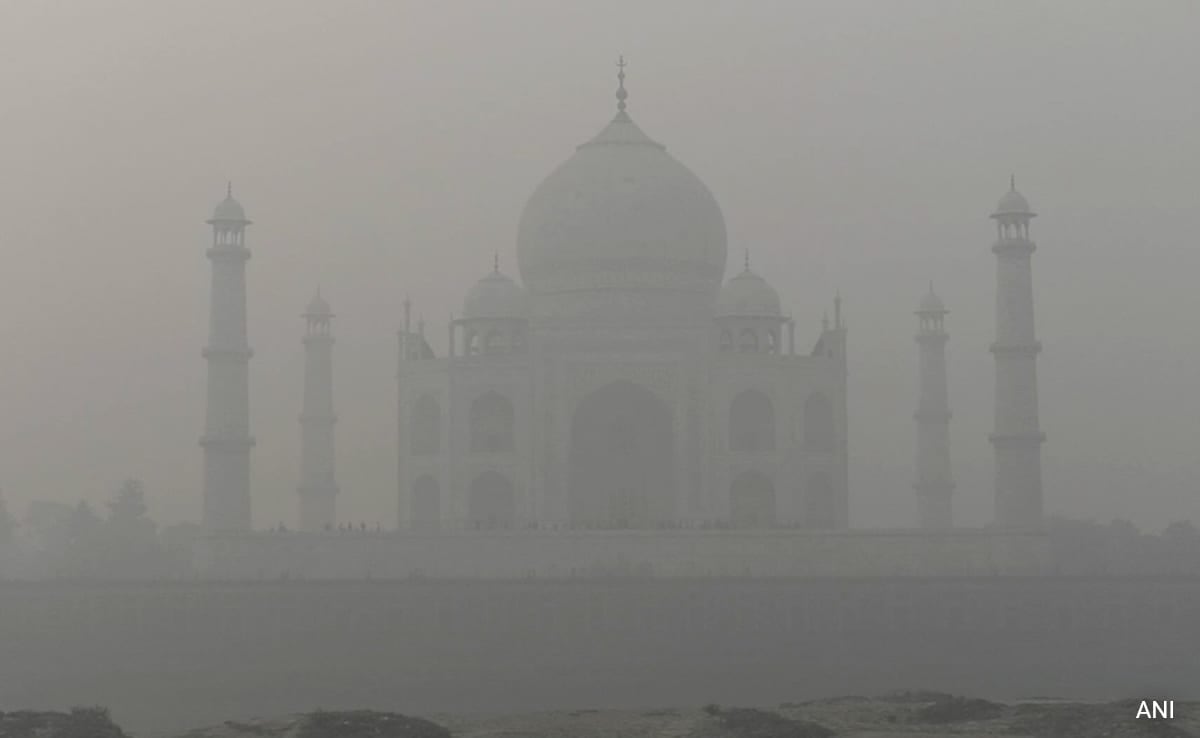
(747,259)
(1012,183)
(621,93)
(229,189)
(496,261)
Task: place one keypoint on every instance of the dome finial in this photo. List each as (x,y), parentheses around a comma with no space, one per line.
(621,93)
(1012,183)
(931,304)
(229,210)
(496,261)
(318,307)
(747,259)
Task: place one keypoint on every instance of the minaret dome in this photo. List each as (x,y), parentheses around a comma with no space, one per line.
(229,210)
(931,303)
(318,307)
(1013,203)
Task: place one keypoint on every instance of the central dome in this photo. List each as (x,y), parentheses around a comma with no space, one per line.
(621,215)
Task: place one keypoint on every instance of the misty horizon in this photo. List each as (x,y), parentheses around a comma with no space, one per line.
(388,152)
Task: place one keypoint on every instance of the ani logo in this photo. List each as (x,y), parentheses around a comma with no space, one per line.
(1156,709)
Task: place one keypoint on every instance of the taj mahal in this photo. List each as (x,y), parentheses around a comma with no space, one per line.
(625,405)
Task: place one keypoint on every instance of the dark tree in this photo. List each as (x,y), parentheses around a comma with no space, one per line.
(128,505)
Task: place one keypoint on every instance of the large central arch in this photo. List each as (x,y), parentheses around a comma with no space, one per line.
(492,502)
(426,503)
(622,458)
(751,501)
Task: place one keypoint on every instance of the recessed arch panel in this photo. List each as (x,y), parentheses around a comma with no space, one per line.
(425,426)
(751,422)
(491,420)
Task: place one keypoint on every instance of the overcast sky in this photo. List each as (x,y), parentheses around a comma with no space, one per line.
(386,149)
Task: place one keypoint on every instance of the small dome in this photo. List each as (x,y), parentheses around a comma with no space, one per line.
(318,306)
(748,295)
(496,296)
(229,210)
(1013,203)
(931,303)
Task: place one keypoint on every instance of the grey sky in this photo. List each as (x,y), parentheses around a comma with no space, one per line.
(386,149)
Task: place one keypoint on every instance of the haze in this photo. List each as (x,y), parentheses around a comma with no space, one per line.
(386,150)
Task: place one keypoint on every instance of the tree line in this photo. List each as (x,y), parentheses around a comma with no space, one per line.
(58,540)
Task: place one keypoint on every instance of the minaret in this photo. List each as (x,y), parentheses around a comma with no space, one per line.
(622,94)
(227,440)
(839,331)
(1017,439)
(318,490)
(933,484)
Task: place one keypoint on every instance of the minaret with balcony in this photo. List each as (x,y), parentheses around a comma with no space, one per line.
(318,486)
(227,440)
(1017,437)
(933,485)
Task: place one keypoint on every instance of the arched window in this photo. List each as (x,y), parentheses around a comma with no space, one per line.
(426,502)
(751,422)
(819,502)
(491,421)
(426,426)
(819,433)
(752,501)
(747,340)
(492,503)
